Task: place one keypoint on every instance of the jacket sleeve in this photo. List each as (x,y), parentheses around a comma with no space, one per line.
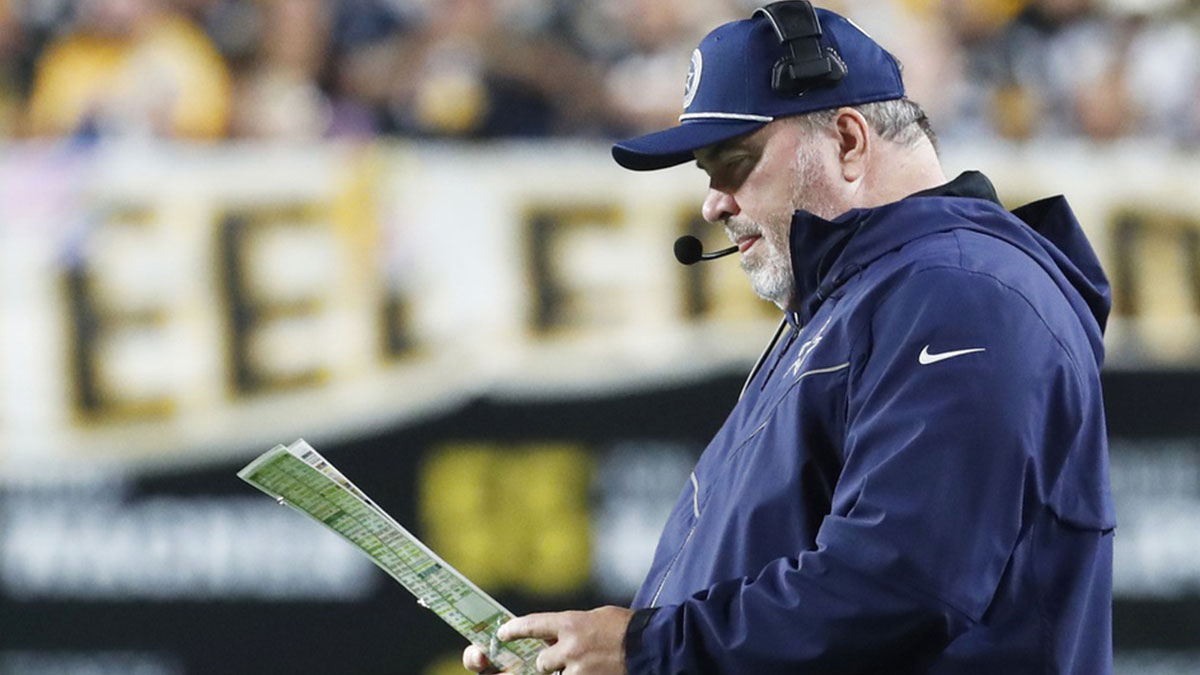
(940,455)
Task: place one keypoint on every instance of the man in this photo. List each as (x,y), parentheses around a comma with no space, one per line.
(915,479)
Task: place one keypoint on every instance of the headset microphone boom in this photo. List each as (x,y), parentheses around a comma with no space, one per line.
(689,250)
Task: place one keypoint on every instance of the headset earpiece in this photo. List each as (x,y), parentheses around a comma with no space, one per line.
(807,65)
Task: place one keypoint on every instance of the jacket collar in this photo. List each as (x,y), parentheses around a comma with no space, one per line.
(826,253)
(969,184)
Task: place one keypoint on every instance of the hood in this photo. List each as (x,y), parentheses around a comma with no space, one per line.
(827,253)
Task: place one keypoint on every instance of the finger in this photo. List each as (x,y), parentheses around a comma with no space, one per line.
(551,659)
(475,660)
(544,626)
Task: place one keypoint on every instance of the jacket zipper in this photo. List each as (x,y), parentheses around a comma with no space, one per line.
(695,522)
(691,531)
(696,483)
(783,324)
(791,339)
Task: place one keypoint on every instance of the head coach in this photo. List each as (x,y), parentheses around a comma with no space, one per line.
(915,479)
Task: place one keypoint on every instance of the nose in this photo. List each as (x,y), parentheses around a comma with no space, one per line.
(718,206)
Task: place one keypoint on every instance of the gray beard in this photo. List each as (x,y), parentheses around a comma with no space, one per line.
(772,280)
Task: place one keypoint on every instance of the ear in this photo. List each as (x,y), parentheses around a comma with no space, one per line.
(854,143)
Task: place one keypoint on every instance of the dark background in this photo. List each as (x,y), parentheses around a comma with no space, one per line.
(388,633)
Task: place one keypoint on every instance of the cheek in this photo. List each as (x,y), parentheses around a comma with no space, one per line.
(819,193)
(776,231)
(775,206)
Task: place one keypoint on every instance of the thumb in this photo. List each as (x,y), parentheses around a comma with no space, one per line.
(475,660)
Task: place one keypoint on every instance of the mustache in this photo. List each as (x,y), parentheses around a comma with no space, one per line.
(738,230)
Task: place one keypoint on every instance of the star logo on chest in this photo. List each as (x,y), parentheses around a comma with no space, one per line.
(807,349)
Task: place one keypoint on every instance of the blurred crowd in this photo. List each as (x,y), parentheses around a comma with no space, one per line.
(302,69)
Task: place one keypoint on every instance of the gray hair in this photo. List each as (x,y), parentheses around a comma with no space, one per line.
(899,120)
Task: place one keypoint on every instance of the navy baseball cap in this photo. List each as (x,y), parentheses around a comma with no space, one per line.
(729,88)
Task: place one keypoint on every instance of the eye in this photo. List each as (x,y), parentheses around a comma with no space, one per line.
(729,169)
(735,169)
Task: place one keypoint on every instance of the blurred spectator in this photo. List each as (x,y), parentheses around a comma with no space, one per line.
(363,43)
(131,68)
(647,45)
(1157,63)
(473,69)
(479,70)
(550,63)
(278,97)
(1054,54)
(10,89)
(1083,68)
(445,85)
(25,28)
(234,26)
(1019,70)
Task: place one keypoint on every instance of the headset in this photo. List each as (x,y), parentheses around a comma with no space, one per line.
(807,65)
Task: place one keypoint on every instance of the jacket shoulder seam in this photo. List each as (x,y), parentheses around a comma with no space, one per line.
(999,282)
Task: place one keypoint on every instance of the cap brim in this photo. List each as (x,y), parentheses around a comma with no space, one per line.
(673,146)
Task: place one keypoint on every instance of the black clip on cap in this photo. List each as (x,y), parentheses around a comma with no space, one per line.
(795,23)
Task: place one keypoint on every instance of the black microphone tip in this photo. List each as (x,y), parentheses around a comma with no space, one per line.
(688,250)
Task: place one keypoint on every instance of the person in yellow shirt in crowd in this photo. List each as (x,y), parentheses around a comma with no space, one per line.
(131,68)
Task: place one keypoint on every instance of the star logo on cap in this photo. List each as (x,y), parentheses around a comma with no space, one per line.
(693,79)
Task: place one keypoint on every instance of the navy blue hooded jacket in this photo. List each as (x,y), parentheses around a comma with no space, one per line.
(915,480)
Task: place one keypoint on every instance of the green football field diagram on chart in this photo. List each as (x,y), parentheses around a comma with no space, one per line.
(299,477)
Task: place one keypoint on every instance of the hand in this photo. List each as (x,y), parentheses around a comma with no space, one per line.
(581,643)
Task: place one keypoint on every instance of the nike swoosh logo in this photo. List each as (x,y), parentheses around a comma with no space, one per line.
(926,358)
